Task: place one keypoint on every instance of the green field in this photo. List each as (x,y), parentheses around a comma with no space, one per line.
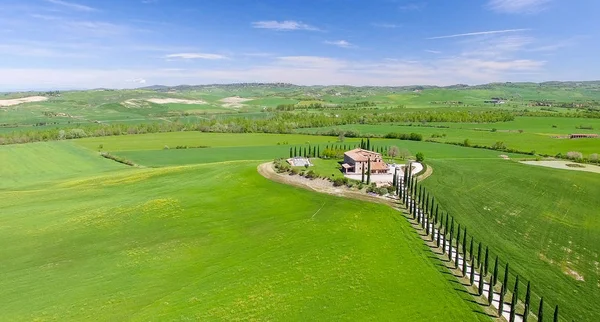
(524,134)
(543,221)
(34,164)
(194,233)
(209,242)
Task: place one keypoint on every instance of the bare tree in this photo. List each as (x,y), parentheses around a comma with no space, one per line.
(404,154)
(341,137)
(393,152)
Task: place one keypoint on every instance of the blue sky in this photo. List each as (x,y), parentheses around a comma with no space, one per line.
(130,43)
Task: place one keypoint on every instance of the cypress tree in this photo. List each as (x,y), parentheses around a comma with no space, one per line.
(480,288)
(540,316)
(444,244)
(295,152)
(556,314)
(395,179)
(464,245)
(527,299)
(362,143)
(291,152)
(439,233)
(450,245)
(501,304)
(362,178)
(495,276)
(318,151)
(368,144)
(369,172)
(490,293)
(485,262)
(305,152)
(472,279)
(479,255)
(505,277)
(515,298)
(457,247)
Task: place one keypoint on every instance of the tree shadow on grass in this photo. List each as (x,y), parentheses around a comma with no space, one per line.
(486,314)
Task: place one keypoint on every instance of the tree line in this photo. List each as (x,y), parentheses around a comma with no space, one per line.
(285,122)
(446,233)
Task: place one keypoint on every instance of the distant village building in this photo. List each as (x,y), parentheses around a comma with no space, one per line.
(496,100)
(356,161)
(583,136)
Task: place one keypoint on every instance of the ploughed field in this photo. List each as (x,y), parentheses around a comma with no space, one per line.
(213,241)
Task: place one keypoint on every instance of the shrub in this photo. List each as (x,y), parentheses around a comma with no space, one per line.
(420,157)
(294,171)
(574,155)
(467,143)
(499,146)
(338,182)
(311,175)
(594,157)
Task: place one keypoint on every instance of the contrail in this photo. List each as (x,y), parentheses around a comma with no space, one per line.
(480,33)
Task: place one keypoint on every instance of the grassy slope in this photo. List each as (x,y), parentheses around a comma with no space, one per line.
(169,244)
(36,163)
(543,221)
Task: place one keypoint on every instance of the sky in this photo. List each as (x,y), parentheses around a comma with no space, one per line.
(80,44)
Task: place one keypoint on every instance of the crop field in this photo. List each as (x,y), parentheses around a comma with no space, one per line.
(523,134)
(544,222)
(169,243)
(34,164)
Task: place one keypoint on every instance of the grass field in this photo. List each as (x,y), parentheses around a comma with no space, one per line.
(543,221)
(210,242)
(36,163)
(537,133)
(158,141)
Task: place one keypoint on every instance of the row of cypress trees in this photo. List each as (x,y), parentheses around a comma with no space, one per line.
(425,210)
(311,152)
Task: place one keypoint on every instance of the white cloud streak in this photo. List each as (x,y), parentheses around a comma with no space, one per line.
(286,25)
(189,56)
(479,33)
(517,6)
(339,43)
(72,5)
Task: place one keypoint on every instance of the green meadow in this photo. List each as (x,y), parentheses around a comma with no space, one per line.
(524,134)
(544,222)
(206,242)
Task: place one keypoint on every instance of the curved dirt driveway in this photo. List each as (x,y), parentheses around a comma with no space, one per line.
(320,185)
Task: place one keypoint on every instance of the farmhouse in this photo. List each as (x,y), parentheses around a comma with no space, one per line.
(583,136)
(356,161)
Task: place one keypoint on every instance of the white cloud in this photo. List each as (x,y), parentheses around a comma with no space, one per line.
(518,6)
(137,81)
(412,6)
(385,25)
(479,33)
(433,51)
(196,56)
(339,43)
(286,25)
(72,5)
